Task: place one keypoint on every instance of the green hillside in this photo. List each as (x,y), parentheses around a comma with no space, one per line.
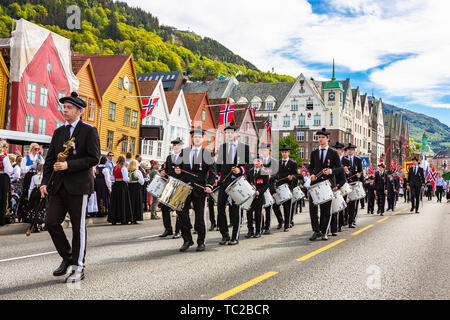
(109,27)
(437,132)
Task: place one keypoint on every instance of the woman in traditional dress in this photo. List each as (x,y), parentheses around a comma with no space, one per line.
(102,187)
(120,206)
(136,180)
(5,182)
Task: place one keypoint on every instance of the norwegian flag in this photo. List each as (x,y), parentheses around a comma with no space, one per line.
(226,114)
(268,124)
(304,169)
(370,170)
(382,158)
(147,106)
(432,176)
(253,110)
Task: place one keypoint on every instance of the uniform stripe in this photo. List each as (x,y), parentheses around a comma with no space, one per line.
(329,222)
(82,233)
(204,218)
(239,224)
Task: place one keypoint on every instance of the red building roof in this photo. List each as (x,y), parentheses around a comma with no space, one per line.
(171,98)
(147,87)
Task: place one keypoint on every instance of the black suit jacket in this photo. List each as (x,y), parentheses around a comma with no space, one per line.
(354,169)
(225,162)
(339,173)
(380,181)
(169,166)
(260,181)
(332,161)
(416,180)
(78,178)
(290,168)
(203,167)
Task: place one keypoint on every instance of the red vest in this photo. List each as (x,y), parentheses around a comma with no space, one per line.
(2,168)
(117,172)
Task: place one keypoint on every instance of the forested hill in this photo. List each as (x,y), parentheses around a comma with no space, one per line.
(418,123)
(110,27)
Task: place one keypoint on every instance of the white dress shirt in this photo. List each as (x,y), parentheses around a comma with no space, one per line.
(73,125)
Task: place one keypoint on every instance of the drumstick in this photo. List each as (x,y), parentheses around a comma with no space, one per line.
(192,174)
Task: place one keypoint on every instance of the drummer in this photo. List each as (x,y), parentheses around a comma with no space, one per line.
(259,178)
(271,166)
(168,170)
(354,172)
(287,174)
(197,169)
(323,161)
(337,220)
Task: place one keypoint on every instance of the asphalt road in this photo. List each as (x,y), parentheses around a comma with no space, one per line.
(406,256)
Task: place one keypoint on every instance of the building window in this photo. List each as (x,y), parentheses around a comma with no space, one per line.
(91,110)
(301,120)
(120,83)
(131,87)
(59,123)
(331,119)
(158,153)
(286,134)
(110,140)
(43,96)
(31,93)
(172,132)
(269,105)
(132,144)
(294,105)
(300,136)
(220,137)
(203,115)
(134,119)
(317,120)
(112,111)
(302,153)
(42,125)
(29,123)
(161,122)
(248,126)
(125,145)
(286,121)
(315,138)
(126,118)
(309,104)
(60,106)
(152,120)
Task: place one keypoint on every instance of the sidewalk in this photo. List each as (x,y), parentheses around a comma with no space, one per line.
(17,228)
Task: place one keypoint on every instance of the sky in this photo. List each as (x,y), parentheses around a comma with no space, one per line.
(399,50)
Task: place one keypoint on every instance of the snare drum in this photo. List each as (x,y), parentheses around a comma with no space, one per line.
(321,192)
(297,194)
(282,194)
(268,199)
(338,203)
(240,190)
(345,189)
(157,185)
(357,191)
(248,203)
(175,194)
(215,195)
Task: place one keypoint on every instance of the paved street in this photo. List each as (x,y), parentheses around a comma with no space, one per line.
(403,256)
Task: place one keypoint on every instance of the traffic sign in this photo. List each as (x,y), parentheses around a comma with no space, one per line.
(365,162)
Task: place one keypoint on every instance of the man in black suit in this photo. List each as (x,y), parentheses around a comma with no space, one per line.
(69,185)
(271,166)
(391,190)
(324,161)
(197,169)
(259,178)
(416,183)
(370,187)
(168,170)
(233,161)
(354,173)
(287,174)
(337,219)
(380,188)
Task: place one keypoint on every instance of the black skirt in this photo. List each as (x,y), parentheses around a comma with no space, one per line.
(4,191)
(22,210)
(136,201)
(120,205)
(103,196)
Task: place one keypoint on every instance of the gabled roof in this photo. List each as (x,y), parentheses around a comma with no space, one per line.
(168,78)
(79,63)
(215,89)
(3,66)
(147,87)
(171,98)
(193,101)
(106,68)
(442,154)
(363,102)
(262,90)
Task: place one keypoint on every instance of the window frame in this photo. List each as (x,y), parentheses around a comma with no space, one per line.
(29,97)
(112,109)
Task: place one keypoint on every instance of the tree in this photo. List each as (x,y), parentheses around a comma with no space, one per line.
(290,142)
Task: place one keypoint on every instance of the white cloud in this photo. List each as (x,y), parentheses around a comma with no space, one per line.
(288,36)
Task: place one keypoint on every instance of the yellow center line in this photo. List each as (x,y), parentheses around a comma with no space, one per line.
(381,220)
(244,286)
(312,254)
(361,230)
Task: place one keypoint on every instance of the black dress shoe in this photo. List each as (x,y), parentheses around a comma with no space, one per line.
(166,233)
(62,269)
(351,226)
(315,236)
(200,247)
(381,214)
(324,237)
(339,229)
(417,211)
(267,231)
(257,235)
(224,240)
(286,229)
(177,235)
(233,242)
(186,246)
(280,225)
(249,235)
(412,209)
(334,234)
(213,226)
(75,276)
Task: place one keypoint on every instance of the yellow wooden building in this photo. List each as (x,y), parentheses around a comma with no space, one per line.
(4,79)
(120,115)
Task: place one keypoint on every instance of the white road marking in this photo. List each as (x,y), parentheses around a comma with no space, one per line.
(147,237)
(29,256)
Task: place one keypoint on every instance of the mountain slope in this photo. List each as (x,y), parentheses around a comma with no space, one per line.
(437,132)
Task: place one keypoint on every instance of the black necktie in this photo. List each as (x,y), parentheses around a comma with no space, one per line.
(321,155)
(67,133)
(284,163)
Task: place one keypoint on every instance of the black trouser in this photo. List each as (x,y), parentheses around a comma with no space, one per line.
(166,211)
(391,200)
(59,204)
(370,202)
(362,201)
(439,191)
(254,216)
(381,199)
(325,216)
(212,217)
(299,205)
(406,195)
(267,219)
(352,211)
(200,219)
(235,216)
(415,196)
(287,209)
